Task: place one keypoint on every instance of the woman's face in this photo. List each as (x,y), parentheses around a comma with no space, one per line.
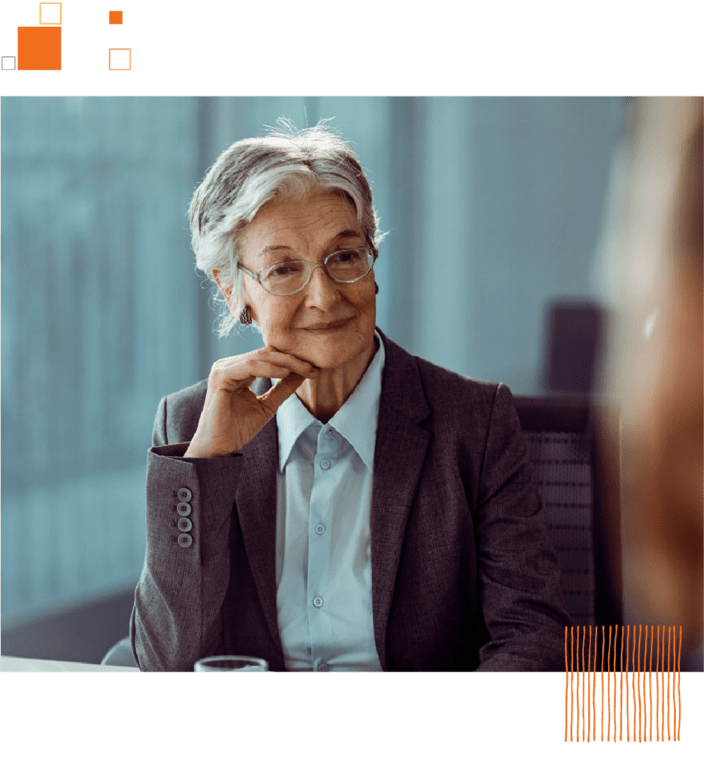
(327,324)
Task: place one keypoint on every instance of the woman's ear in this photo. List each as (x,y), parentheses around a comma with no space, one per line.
(226,290)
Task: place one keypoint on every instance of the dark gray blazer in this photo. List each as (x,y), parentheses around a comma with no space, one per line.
(463,574)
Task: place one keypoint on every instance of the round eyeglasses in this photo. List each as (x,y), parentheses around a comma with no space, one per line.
(288,277)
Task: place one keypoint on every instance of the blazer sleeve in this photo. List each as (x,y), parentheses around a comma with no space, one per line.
(519,576)
(177,615)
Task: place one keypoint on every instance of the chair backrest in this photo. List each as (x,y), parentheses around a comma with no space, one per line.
(561,436)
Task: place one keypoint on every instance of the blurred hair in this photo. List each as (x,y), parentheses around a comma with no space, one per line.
(287,163)
(687,220)
(656,363)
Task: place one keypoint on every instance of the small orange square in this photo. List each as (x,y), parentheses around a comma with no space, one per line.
(115,17)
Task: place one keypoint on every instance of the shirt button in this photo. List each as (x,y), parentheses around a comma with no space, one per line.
(184,494)
(325,464)
(184,524)
(320,529)
(183,508)
(185,540)
(317,601)
(323,667)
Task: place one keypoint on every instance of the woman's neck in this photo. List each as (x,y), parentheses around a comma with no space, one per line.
(327,393)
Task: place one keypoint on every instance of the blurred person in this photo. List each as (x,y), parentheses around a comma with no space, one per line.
(329,501)
(654,365)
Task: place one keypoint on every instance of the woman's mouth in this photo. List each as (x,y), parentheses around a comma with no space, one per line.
(331,326)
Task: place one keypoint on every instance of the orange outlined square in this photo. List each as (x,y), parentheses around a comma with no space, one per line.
(50,13)
(115,17)
(121,58)
(38,47)
(120,69)
(50,23)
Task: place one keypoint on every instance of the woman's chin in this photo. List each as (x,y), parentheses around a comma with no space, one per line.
(332,354)
(328,360)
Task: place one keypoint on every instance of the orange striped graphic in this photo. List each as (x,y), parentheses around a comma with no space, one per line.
(639,698)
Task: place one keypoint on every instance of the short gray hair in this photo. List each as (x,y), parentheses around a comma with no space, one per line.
(249,173)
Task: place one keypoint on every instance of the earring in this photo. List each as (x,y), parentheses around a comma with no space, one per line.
(246,316)
(376,288)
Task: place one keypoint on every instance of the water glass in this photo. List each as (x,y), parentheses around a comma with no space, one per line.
(231,664)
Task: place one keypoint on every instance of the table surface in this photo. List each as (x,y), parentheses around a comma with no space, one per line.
(16,664)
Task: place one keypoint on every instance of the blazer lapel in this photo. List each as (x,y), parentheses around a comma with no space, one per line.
(401,447)
(256,508)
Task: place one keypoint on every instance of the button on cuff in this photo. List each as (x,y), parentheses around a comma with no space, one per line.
(184,524)
(185,540)
(183,508)
(184,494)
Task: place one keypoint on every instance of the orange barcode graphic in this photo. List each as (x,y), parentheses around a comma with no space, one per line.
(630,669)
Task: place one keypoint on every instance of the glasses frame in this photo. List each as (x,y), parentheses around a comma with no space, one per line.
(313,266)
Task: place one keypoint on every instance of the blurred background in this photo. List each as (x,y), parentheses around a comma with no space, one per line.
(493,208)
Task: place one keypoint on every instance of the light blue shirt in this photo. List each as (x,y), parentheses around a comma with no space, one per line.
(323,543)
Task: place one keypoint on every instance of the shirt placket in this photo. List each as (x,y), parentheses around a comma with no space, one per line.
(320,524)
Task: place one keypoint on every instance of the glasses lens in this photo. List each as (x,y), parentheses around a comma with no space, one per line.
(348,266)
(287,277)
(343,266)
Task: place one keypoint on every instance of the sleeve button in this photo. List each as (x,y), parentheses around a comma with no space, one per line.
(183,508)
(184,524)
(184,494)
(185,540)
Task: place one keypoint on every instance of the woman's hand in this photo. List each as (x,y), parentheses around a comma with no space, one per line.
(232,414)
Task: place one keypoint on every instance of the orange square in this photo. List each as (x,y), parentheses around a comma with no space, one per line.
(120,69)
(38,47)
(50,23)
(115,17)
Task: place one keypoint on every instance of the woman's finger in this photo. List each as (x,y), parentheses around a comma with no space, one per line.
(241,374)
(280,392)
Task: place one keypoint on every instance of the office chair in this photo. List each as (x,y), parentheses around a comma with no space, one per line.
(562,437)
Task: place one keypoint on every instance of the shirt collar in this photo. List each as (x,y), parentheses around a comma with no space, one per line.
(355,421)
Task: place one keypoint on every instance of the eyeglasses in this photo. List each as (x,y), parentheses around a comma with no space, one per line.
(288,277)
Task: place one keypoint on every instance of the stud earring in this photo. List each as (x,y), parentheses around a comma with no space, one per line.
(376,288)
(246,316)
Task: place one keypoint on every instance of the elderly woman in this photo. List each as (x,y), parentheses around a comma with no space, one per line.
(329,501)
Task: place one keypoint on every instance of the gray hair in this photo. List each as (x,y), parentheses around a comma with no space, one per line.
(249,173)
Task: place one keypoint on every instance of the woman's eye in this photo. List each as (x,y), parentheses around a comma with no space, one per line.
(345,257)
(284,270)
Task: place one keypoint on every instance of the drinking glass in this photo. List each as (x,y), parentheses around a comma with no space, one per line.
(231,664)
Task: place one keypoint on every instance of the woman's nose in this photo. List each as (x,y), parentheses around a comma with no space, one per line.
(321,288)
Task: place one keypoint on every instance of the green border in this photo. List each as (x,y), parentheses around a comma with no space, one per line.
(354,720)
(281,47)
